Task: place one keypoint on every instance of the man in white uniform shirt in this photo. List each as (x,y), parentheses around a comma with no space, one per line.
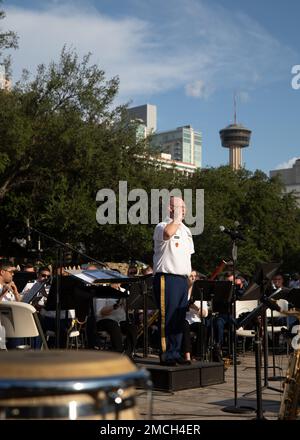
(8,289)
(173,246)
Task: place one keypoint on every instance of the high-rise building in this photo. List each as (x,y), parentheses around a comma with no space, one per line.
(146,114)
(184,144)
(290,177)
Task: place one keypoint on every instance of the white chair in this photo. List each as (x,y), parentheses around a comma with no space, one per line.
(21,321)
(284,306)
(244,307)
(275,329)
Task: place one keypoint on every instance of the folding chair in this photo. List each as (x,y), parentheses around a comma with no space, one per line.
(21,321)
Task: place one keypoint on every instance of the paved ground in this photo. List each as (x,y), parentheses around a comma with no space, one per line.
(208,403)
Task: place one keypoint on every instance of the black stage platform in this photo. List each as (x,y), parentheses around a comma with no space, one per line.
(182,377)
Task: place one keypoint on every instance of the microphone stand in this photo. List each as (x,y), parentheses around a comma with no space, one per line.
(60,258)
(235,409)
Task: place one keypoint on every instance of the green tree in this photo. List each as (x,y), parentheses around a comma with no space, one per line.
(269,219)
(8,40)
(61,140)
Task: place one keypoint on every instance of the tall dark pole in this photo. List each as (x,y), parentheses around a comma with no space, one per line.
(235,409)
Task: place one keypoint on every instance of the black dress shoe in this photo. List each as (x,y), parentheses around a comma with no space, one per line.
(168,363)
(181,361)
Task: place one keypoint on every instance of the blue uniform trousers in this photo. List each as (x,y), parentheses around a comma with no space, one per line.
(171,293)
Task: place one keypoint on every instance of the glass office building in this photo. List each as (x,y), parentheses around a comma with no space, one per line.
(184,144)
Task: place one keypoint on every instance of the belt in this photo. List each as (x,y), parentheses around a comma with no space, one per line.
(171,275)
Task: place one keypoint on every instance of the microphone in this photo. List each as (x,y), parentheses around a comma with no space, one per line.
(234,234)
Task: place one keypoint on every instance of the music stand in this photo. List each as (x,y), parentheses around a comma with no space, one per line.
(31,294)
(61,247)
(141,297)
(256,291)
(22,278)
(293,297)
(219,294)
(67,297)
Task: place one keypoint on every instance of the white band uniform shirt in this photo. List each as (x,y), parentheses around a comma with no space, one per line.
(118,314)
(174,255)
(8,296)
(194,316)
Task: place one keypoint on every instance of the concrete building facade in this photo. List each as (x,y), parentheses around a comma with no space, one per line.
(290,178)
(146,114)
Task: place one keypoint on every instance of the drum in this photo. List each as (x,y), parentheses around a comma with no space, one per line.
(69,385)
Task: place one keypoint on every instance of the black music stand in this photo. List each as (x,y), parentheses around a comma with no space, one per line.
(257,291)
(219,294)
(61,247)
(67,297)
(293,297)
(36,289)
(22,278)
(75,296)
(141,297)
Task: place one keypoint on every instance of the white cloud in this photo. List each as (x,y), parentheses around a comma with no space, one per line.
(196,89)
(197,46)
(288,164)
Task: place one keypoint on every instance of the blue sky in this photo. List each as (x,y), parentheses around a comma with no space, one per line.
(188,57)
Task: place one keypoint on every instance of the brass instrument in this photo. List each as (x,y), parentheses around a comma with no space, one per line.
(289,409)
(150,321)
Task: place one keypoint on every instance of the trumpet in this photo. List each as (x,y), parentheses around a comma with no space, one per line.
(150,321)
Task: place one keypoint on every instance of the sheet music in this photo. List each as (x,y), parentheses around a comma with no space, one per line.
(104,274)
(94,276)
(31,293)
(84,277)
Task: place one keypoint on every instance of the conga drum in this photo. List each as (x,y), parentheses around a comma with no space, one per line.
(69,385)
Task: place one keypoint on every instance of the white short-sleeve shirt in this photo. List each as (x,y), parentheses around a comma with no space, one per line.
(192,315)
(173,255)
(8,296)
(116,315)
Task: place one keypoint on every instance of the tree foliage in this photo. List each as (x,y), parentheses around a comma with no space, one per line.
(8,40)
(62,139)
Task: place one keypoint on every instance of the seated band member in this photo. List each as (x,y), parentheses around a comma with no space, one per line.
(110,316)
(193,319)
(8,289)
(9,292)
(224,318)
(42,283)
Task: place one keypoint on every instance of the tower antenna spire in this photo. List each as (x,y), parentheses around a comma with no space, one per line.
(235,137)
(234,107)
